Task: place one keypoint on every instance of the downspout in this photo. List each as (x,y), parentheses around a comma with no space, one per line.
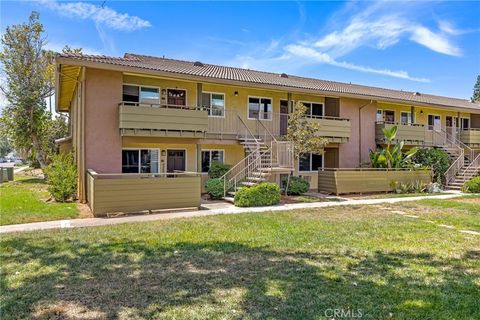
(360,132)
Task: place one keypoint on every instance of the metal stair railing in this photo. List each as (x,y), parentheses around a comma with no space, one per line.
(470,171)
(233,176)
(468,152)
(281,151)
(459,162)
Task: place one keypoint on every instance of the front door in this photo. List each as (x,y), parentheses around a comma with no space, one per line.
(175,160)
(283,117)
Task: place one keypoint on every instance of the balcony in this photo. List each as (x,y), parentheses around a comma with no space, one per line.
(471,137)
(413,134)
(150,120)
(336,130)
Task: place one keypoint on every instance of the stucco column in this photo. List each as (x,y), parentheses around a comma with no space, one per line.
(199,158)
(199,94)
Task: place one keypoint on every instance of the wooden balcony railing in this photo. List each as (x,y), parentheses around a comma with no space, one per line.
(470,136)
(161,120)
(140,119)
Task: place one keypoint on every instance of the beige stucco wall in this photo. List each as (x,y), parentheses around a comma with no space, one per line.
(421,113)
(353,153)
(103,143)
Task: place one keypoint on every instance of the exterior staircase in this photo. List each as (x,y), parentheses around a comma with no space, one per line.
(265,156)
(465,162)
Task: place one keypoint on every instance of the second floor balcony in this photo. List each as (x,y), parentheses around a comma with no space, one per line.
(411,133)
(137,119)
(422,135)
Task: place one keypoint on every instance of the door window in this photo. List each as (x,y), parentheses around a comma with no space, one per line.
(434,122)
(175,160)
(176,97)
(140,161)
(405,117)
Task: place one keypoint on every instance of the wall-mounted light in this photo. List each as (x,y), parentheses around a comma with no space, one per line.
(164,91)
(421,111)
(236,93)
(164,153)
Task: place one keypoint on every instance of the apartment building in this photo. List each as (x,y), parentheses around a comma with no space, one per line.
(142,114)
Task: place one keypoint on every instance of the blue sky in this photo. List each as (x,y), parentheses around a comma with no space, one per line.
(431,47)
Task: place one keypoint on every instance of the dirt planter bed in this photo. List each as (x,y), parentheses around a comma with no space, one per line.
(365,180)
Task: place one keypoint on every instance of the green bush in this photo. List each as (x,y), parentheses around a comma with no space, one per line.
(217,170)
(263,194)
(215,188)
(297,185)
(437,159)
(62,177)
(472,186)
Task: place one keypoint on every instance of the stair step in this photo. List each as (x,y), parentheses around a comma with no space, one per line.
(248,183)
(229,199)
(258,179)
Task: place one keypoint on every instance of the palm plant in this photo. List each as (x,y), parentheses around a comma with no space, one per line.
(389,157)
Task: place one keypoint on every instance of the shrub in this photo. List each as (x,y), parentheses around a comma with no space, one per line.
(437,159)
(61,176)
(472,186)
(263,194)
(409,187)
(217,170)
(297,185)
(215,188)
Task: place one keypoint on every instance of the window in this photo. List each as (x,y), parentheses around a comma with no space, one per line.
(433,121)
(389,116)
(140,161)
(215,103)
(260,108)
(176,97)
(405,117)
(379,115)
(451,122)
(149,95)
(139,94)
(314,109)
(465,123)
(310,162)
(209,156)
(130,93)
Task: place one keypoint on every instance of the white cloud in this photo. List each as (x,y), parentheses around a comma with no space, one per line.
(434,41)
(100,15)
(383,31)
(306,52)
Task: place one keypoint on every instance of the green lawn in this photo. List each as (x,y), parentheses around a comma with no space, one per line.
(23,201)
(282,265)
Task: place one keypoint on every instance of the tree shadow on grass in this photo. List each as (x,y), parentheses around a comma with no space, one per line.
(124,279)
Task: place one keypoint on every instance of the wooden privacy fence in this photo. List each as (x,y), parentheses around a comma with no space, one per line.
(364,180)
(132,192)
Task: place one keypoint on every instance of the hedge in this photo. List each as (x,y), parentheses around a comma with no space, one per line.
(263,194)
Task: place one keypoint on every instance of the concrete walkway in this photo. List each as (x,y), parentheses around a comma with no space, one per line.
(212,209)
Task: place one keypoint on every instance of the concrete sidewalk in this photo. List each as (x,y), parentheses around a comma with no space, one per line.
(215,209)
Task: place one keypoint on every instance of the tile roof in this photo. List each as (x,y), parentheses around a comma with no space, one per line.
(268,78)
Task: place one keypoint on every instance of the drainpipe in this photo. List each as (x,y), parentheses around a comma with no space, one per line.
(360,131)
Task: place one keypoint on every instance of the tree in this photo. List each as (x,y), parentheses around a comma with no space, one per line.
(5,145)
(476,91)
(25,65)
(304,132)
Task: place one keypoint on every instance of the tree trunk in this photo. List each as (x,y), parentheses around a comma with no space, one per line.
(39,155)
